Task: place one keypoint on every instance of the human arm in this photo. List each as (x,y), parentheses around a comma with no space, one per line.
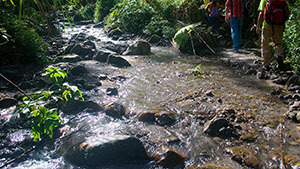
(227,11)
(259,21)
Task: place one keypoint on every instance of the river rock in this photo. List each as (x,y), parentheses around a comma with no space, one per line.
(73,58)
(244,155)
(164,119)
(298,117)
(171,159)
(115,110)
(74,107)
(154,39)
(102,55)
(90,44)
(147,117)
(213,127)
(7,102)
(112,91)
(141,47)
(211,166)
(115,32)
(295,106)
(118,61)
(107,150)
(78,70)
(116,47)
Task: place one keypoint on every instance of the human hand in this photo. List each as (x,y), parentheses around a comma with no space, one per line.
(226,19)
(258,30)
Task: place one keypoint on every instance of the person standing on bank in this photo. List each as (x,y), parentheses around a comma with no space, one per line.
(272,16)
(213,15)
(234,15)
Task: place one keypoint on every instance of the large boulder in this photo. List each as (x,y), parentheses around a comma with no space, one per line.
(74,107)
(141,47)
(107,150)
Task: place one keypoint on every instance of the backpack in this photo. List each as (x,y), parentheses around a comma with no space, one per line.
(214,11)
(276,12)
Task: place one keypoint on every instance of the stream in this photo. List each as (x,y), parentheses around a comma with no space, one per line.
(162,83)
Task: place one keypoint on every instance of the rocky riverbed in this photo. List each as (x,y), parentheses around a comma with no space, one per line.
(145,108)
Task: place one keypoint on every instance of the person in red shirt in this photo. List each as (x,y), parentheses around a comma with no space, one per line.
(234,15)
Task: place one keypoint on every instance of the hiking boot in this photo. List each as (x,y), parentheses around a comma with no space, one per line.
(281,65)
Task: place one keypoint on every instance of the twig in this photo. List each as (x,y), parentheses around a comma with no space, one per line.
(205,42)
(192,44)
(15,86)
(282,163)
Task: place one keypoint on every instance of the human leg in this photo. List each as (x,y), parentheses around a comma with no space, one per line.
(265,48)
(236,24)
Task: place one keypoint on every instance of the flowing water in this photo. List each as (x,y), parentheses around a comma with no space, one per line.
(163,82)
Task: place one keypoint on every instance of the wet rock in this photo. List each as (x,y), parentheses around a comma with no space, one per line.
(115,110)
(82,51)
(296,97)
(244,155)
(251,71)
(164,119)
(248,137)
(116,47)
(171,159)
(154,39)
(278,80)
(112,91)
(107,150)
(102,77)
(295,106)
(212,166)
(214,126)
(139,48)
(292,114)
(78,70)
(90,44)
(118,61)
(298,117)
(147,117)
(102,55)
(115,32)
(73,58)
(7,102)
(209,93)
(74,107)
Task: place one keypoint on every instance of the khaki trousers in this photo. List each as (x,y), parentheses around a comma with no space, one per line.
(275,32)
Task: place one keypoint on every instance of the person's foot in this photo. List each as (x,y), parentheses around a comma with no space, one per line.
(281,65)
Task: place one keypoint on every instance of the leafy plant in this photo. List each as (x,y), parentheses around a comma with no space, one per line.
(159,26)
(44,117)
(103,8)
(131,15)
(197,71)
(291,38)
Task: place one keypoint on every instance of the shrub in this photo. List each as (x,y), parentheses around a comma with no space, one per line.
(87,12)
(131,15)
(24,45)
(159,26)
(291,38)
(103,8)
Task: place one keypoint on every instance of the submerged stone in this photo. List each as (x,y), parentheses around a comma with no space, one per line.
(171,159)
(139,48)
(107,150)
(244,156)
(213,127)
(115,110)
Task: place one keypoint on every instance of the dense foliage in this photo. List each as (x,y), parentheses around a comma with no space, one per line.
(23,44)
(131,15)
(292,37)
(103,8)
